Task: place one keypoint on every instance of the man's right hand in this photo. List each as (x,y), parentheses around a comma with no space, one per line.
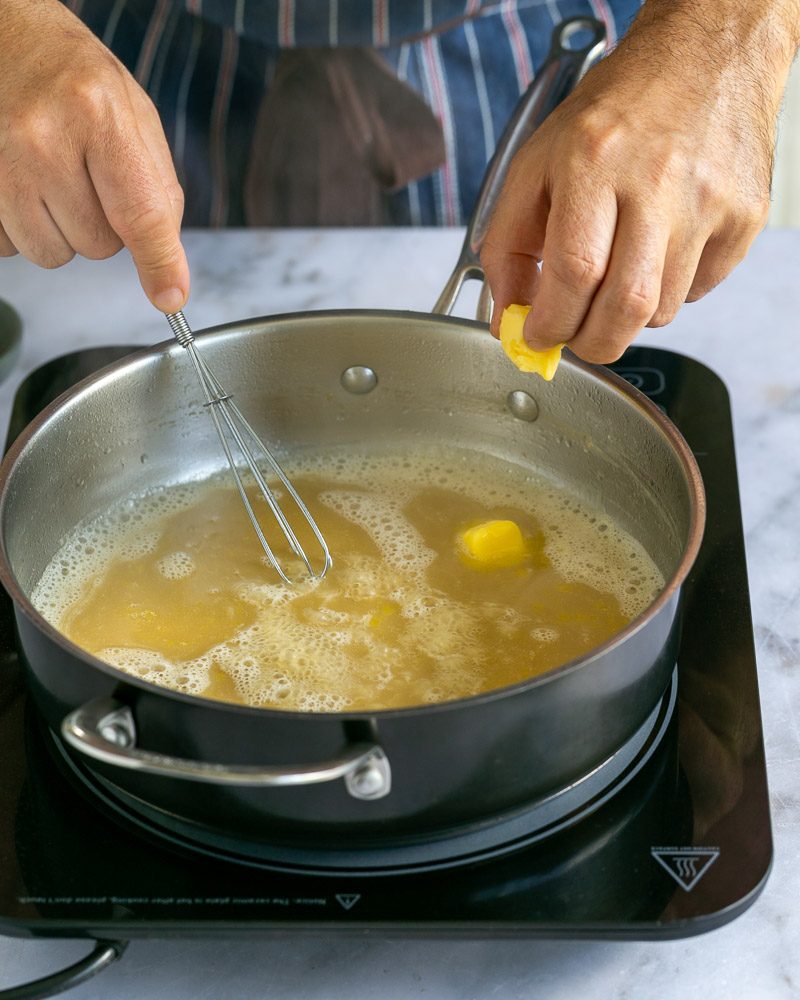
(84,165)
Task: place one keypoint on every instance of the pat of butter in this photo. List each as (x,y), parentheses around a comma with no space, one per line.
(544,363)
(494,545)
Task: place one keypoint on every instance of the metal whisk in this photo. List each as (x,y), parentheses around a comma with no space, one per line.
(232,428)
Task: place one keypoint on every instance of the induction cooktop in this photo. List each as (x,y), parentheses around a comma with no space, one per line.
(681,847)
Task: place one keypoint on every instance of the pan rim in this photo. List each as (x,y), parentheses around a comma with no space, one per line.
(169,348)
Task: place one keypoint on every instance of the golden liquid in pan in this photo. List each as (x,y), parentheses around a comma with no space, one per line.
(173,587)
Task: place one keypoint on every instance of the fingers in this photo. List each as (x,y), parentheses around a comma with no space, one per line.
(139,210)
(652,271)
(7,248)
(680,268)
(134,177)
(704,260)
(725,249)
(609,268)
(77,212)
(33,233)
(580,234)
(512,249)
(152,134)
(630,291)
(517,279)
(572,233)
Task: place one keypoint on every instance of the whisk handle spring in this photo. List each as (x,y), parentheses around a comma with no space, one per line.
(181,329)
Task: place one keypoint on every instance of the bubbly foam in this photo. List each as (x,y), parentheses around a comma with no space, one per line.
(383,520)
(376,619)
(128,531)
(176,565)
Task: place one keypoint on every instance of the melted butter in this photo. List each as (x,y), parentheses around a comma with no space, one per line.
(173,587)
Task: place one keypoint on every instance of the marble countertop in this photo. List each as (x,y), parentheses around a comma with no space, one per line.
(747,330)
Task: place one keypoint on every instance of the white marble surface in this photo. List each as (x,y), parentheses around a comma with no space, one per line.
(748,331)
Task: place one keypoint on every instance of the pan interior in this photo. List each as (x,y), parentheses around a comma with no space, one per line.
(141,424)
(173,588)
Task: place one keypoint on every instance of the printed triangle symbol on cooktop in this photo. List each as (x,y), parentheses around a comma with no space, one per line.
(686,865)
(348,899)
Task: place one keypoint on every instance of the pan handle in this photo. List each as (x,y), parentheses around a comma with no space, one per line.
(104,729)
(559,74)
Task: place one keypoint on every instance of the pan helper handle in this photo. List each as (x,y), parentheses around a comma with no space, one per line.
(559,74)
(104,729)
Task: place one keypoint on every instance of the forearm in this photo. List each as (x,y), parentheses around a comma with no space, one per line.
(756,36)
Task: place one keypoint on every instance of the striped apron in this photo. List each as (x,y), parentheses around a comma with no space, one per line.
(207,65)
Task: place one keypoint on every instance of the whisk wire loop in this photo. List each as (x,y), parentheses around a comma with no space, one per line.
(231,426)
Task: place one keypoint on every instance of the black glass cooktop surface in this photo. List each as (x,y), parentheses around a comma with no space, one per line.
(682,847)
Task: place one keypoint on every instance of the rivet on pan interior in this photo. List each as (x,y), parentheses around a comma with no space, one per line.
(522,405)
(359,379)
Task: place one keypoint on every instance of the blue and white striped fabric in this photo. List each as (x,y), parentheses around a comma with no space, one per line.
(207,64)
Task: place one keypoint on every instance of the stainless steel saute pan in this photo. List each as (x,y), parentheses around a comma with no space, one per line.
(332,380)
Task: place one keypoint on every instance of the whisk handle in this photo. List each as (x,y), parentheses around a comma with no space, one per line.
(180,327)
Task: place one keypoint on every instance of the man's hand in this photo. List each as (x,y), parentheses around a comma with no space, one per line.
(648,184)
(84,165)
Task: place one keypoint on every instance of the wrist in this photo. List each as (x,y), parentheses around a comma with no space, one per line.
(759,38)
